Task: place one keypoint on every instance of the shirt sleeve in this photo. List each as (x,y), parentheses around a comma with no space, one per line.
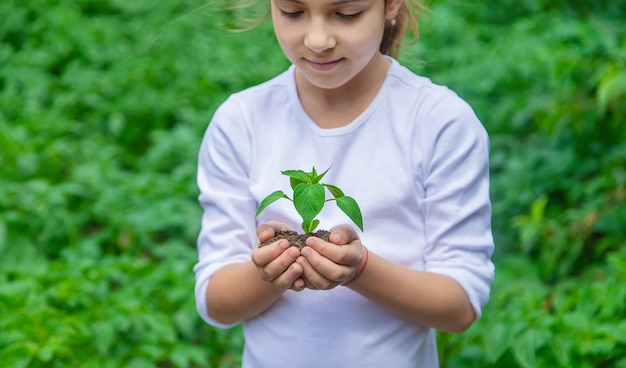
(227,232)
(457,206)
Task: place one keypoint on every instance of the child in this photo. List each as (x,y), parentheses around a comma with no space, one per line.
(411,153)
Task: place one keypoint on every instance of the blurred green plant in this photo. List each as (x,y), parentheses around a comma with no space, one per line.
(577,322)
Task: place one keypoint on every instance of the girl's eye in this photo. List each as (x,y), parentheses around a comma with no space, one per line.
(290,14)
(349,16)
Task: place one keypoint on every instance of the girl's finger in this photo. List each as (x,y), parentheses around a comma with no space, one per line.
(320,272)
(274,260)
(287,279)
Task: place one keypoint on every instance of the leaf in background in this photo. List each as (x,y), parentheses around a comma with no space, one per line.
(18,355)
(561,349)
(612,87)
(530,226)
(3,235)
(105,330)
(524,349)
(497,339)
(189,356)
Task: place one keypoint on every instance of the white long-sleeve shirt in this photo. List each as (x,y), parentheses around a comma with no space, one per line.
(416,161)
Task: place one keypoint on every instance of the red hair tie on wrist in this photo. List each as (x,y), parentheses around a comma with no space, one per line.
(358,273)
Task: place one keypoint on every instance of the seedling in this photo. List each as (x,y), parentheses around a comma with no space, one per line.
(309,197)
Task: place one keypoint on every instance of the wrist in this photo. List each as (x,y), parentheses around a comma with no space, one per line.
(361,268)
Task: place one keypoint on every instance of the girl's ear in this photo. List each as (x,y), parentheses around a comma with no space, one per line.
(392,8)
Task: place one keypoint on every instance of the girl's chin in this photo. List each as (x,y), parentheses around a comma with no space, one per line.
(325,80)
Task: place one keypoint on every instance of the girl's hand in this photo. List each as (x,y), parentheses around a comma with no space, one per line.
(329,264)
(276,262)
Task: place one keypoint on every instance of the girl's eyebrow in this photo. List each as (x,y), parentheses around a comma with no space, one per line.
(340,2)
(334,3)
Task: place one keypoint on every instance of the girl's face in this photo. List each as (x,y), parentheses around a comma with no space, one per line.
(331,41)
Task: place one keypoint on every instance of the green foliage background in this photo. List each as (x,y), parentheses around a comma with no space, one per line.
(102,109)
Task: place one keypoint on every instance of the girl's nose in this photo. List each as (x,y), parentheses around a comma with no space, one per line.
(319,36)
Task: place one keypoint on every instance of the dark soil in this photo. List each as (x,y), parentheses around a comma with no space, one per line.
(295,239)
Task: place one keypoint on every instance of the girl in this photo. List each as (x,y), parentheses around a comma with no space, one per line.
(413,155)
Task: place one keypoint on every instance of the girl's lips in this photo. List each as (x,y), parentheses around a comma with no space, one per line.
(323,65)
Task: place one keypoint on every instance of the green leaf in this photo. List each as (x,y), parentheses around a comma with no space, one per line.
(349,206)
(308,200)
(316,178)
(3,235)
(538,208)
(293,183)
(269,200)
(524,350)
(561,350)
(497,338)
(611,87)
(46,352)
(336,192)
(106,336)
(18,354)
(619,332)
(298,175)
(188,355)
(310,227)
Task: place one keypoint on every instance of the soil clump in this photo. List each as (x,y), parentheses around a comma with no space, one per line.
(295,239)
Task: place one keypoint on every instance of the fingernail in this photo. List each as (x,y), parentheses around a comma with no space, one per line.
(293,252)
(283,244)
(306,252)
